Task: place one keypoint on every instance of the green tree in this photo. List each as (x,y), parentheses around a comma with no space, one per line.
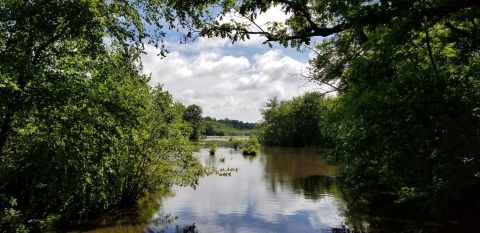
(98,136)
(193,115)
(79,131)
(295,122)
(411,126)
(36,34)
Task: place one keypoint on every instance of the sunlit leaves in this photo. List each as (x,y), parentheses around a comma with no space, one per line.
(296,122)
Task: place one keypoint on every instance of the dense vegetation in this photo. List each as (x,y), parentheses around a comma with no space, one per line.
(408,105)
(302,121)
(80,129)
(251,146)
(90,142)
(193,115)
(226,127)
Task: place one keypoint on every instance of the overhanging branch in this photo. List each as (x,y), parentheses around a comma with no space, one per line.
(382,17)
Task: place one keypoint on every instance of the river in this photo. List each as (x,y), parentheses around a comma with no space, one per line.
(279,190)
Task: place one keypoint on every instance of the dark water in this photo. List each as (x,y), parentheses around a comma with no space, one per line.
(280,190)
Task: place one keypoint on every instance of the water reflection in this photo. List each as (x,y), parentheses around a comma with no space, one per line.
(280,190)
(126,220)
(277,191)
(302,170)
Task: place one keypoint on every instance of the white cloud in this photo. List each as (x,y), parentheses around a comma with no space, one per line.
(226,86)
(229,81)
(263,20)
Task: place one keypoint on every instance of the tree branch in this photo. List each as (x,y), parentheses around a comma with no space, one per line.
(313,30)
(47,43)
(323,32)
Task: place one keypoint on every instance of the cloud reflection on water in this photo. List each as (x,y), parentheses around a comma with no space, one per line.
(289,190)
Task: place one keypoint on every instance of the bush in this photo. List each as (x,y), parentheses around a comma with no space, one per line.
(10,218)
(212,146)
(236,143)
(252,146)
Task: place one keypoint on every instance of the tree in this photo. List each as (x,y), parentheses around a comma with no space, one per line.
(97,136)
(406,73)
(80,129)
(36,34)
(193,115)
(312,18)
(295,122)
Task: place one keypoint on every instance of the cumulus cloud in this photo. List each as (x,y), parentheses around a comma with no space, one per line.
(262,22)
(226,86)
(227,81)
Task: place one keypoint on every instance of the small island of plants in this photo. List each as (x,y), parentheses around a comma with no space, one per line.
(252,146)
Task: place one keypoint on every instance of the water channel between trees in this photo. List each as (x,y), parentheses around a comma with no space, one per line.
(279,190)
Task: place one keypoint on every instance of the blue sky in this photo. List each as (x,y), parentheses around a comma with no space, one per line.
(229,81)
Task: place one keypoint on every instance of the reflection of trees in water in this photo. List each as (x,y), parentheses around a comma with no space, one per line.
(316,186)
(382,214)
(134,219)
(297,162)
(250,157)
(306,172)
(302,170)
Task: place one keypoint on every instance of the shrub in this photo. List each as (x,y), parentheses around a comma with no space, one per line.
(252,146)
(236,143)
(212,146)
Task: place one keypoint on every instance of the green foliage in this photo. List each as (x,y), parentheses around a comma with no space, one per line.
(322,18)
(212,146)
(80,129)
(96,135)
(193,115)
(236,143)
(297,122)
(10,217)
(226,127)
(420,137)
(408,107)
(252,146)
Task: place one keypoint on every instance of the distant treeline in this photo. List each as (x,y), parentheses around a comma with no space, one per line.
(223,127)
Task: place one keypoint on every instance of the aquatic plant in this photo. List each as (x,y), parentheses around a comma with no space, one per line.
(212,146)
(236,143)
(252,146)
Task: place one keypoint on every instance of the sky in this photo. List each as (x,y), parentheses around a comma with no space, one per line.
(229,80)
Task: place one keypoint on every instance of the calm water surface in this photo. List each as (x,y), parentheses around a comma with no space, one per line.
(280,190)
